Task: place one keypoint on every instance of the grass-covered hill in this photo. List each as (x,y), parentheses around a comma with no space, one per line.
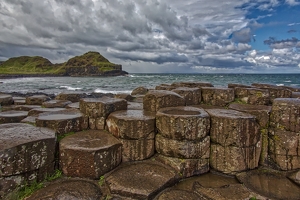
(88,64)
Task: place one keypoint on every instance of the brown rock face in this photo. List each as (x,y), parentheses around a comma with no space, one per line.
(253,96)
(156,99)
(286,114)
(165,87)
(217,96)
(192,96)
(70,120)
(185,167)
(139,91)
(178,194)
(25,148)
(56,103)
(12,116)
(142,180)
(131,124)
(70,96)
(182,123)
(184,148)
(6,100)
(139,149)
(275,91)
(89,154)
(98,109)
(230,127)
(37,99)
(232,159)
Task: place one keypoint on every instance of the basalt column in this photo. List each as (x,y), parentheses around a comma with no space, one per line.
(284,134)
(136,131)
(182,140)
(235,141)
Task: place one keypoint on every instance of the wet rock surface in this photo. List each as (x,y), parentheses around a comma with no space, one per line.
(139,91)
(39,110)
(26,107)
(140,180)
(69,189)
(89,154)
(70,120)
(12,116)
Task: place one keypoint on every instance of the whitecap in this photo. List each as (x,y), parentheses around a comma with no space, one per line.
(98,90)
(280,84)
(288,81)
(70,88)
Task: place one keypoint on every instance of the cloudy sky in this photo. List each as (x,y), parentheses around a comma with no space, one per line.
(170,36)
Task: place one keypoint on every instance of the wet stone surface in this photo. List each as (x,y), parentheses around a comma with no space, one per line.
(69,189)
(37,111)
(26,107)
(183,123)
(24,148)
(89,154)
(139,91)
(140,180)
(12,116)
(269,183)
(70,120)
(56,104)
(37,99)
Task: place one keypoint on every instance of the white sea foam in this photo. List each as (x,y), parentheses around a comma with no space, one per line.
(288,81)
(280,84)
(98,90)
(70,88)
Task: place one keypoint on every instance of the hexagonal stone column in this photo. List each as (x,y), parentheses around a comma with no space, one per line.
(136,130)
(253,96)
(26,153)
(56,103)
(69,120)
(217,96)
(156,99)
(192,96)
(70,96)
(6,99)
(183,142)
(12,116)
(37,99)
(98,109)
(274,90)
(235,141)
(89,154)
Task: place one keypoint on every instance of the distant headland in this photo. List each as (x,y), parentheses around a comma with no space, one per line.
(88,64)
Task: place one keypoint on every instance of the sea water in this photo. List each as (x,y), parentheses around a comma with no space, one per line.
(125,84)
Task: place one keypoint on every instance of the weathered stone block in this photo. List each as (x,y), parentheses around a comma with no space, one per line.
(261,112)
(192,96)
(286,162)
(186,149)
(253,96)
(285,114)
(70,120)
(131,124)
(12,116)
(25,148)
(275,91)
(56,103)
(165,87)
(6,100)
(37,99)
(139,149)
(125,96)
(283,142)
(192,84)
(139,91)
(183,123)
(217,96)
(70,96)
(233,128)
(156,99)
(141,180)
(232,159)
(89,154)
(185,167)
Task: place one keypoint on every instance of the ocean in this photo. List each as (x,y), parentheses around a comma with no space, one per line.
(125,84)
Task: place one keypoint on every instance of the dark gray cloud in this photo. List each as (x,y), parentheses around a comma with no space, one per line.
(281,44)
(292,31)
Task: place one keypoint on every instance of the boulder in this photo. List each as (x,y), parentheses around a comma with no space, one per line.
(217,96)
(230,127)
(165,87)
(156,99)
(19,100)
(98,109)
(192,96)
(183,123)
(89,154)
(184,148)
(285,114)
(37,99)
(6,99)
(140,180)
(12,116)
(56,104)
(65,121)
(139,91)
(253,96)
(70,96)
(125,96)
(185,167)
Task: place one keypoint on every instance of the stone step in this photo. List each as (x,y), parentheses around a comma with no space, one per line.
(183,123)
(89,154)
(6,99)
(64,121)
(12,116)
